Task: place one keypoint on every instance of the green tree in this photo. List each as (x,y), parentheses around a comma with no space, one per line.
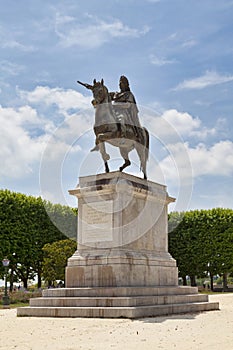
(63,217)
(55,259)
(202,243)
(25,227)
(184,246)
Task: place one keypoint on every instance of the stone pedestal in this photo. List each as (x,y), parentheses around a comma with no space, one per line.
(122,234)
(122,267)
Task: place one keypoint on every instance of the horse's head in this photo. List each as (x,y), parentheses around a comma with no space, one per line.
(100,93)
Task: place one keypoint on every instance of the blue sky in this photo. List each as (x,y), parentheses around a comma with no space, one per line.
(178,57)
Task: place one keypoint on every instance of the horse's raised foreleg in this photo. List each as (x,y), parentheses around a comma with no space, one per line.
(105,156)
(125,154)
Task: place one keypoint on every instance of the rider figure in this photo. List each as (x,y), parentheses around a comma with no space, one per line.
(124,104)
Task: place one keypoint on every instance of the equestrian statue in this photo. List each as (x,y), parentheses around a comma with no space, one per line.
(117,122)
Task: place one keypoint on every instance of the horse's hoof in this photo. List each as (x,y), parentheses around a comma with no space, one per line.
(120,168)
(106,157)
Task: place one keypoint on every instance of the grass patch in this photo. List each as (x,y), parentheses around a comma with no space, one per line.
(14,306)
(209,292)
(21,298)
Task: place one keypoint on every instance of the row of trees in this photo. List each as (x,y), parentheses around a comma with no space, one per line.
(34,232)
(26,225)
(201,241)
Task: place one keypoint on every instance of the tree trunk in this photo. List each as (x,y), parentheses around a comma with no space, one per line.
(193,281)
(211,282)
(39,279)
(11,280)
(225,282)
(184,280)
(25,282)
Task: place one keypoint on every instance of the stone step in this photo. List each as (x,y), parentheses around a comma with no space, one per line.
(116,312)
(117,301)
(118,291)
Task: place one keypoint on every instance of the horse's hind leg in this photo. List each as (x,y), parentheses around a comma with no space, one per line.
(105,156)
(141,151)
(125,155)
(106,167)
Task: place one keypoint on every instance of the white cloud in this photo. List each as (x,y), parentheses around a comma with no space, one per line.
(179,163)
(10,68)
(188,126)
(172,36)
(176,165)
(184,164)
(215,160)
(175,125)
(210,78)
(63,19)
(93,33)
(75,109)
(64,99)
(8,40)
(19,151)
(184,123)
(25,133)
(189,43)
(160,61)
(13,44)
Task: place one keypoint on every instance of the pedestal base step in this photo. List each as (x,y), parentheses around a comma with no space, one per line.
(117,312)
(117,302)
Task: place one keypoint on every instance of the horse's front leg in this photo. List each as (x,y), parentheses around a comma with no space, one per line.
(104,155)
(125,154)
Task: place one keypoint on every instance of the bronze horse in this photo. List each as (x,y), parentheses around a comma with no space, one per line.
(109,127)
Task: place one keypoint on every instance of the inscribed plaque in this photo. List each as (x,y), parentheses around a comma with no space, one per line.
(96,223)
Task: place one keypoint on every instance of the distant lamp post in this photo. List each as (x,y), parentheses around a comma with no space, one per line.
(6,299)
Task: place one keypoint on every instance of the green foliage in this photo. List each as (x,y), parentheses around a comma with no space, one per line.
(64,217)
(25,227)
(55,259)
(23,297)
(202,242)
(174,219)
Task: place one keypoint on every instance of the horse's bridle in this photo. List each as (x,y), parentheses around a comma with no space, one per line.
(99,93)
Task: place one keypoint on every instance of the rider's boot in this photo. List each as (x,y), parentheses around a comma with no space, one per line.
(96,148)
(123,133)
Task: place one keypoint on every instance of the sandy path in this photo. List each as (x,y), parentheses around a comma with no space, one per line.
(211,330)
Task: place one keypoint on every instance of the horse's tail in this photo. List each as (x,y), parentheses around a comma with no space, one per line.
(144,150)
(146,144)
